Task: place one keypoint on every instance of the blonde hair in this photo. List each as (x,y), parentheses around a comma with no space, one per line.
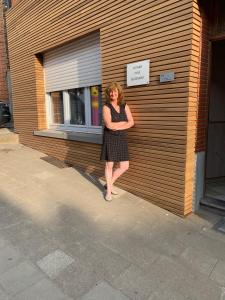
(112,86)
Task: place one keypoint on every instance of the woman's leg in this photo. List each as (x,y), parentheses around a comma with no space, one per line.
(123,167)
(108,176)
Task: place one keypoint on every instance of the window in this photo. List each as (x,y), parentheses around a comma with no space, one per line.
(78,109)
(77,106)
(73,85)
(57,113)
(96,106)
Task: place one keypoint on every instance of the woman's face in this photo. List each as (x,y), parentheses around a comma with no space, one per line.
(113,95)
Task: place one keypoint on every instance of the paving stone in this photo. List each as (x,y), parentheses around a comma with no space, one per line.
(20,277)
(171,248)
(160,236)
(9,200)
(199,260)
(167,273)
(44,175)
(3,295)
(167,294)
(131,247)
(43,290)
(54,263)
(186,280)
(11,182)
(87,222)
(9,220)
(30,240)
(9,257)
(130,244)
(164,244)
(207,245)
(218,274)
(212,233)
(36,201)
(5,210)
(106,263)
(104,224)
(200,288)
(122,204)
(3,242)
(77,279)
(135,284)
(104,291)
(119,214)
(222,293)
(67,238)
(203,219)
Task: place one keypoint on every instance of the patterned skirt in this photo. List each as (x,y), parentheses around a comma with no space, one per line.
(114,147)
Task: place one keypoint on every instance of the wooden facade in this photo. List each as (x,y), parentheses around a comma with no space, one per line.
(3,58)
(163,141)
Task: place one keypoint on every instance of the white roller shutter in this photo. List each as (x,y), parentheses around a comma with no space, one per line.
(74,65)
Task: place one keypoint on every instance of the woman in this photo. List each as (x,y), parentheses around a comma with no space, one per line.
(117,118)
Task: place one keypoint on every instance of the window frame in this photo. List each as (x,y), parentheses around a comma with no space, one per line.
(88,128)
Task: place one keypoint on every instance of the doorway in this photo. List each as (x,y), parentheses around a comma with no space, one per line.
(215,153)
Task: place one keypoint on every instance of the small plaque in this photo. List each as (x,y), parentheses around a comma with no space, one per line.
(165,77)
(138,73)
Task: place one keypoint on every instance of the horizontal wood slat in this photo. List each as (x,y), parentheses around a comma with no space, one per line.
(162,141)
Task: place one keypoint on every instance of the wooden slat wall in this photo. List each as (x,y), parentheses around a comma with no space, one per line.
(3,59)
(201,34)
(162,141)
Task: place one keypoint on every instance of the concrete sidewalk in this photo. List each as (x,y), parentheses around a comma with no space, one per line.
(59,239)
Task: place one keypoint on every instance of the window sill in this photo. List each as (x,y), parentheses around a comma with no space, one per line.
(71,135)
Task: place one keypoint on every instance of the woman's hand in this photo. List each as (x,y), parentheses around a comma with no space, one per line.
(118,125)
(130,120)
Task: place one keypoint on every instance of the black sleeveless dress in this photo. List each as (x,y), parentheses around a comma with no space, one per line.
(115,146)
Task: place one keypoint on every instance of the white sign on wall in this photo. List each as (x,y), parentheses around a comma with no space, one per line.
(138,73)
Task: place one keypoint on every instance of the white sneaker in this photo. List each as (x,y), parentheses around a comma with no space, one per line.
(108,197)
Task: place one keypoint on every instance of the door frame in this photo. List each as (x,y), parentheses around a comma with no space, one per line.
(212,39)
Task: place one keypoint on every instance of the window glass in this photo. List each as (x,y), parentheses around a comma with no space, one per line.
(96,105)
(57,107)
(77,106)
